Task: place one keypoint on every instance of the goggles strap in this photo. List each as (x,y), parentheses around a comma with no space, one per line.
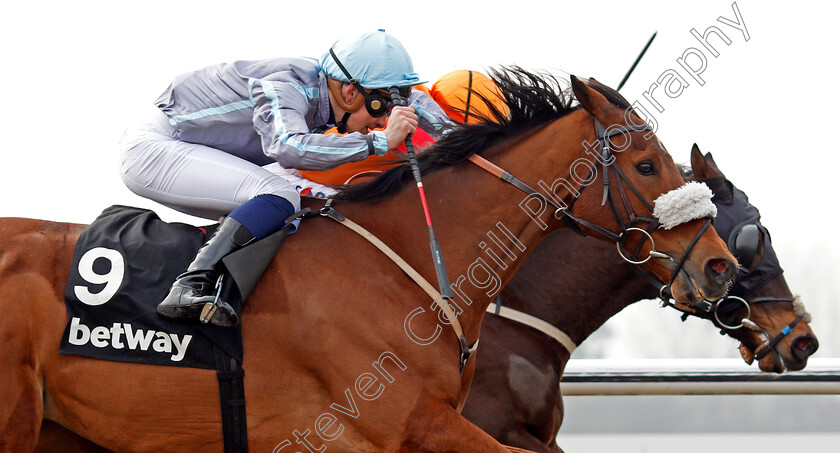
(350,78)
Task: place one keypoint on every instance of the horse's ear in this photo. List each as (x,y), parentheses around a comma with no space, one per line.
(592,101)
(698,163)
(710,162)
(703,167)
(593,82)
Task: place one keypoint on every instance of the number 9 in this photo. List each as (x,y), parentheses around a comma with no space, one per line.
(112,279)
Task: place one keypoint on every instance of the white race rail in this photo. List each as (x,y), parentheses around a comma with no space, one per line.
(695,377)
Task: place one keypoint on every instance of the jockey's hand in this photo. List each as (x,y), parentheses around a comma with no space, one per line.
(401,122)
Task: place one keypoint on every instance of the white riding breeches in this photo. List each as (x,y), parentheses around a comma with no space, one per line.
(192,178)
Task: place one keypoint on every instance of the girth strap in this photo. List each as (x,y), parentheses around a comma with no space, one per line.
(327,211)
(230,375)
(535,323)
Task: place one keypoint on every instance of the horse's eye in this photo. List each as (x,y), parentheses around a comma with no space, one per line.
(646,168)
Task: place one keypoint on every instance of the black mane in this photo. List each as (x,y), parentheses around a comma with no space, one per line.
(533,100)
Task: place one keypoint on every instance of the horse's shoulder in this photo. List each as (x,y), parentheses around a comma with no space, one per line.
(14,226)
(29,244)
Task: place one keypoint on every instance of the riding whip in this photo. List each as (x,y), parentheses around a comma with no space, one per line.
(627,76)
(437,255)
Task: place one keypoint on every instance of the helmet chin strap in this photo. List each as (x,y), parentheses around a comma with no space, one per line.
(342,124)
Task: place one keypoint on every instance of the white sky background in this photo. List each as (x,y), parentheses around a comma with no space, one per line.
(76,74)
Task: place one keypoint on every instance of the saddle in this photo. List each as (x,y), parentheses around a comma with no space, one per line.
(123,265)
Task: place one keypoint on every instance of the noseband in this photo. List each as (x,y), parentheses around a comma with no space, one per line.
(771,344)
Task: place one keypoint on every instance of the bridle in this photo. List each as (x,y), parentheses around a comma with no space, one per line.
(745,240)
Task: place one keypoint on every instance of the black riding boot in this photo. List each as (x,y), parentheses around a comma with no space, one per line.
(195,287)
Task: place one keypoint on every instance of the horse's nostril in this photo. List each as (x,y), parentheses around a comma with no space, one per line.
(802,343)
(719,266)
(804,346)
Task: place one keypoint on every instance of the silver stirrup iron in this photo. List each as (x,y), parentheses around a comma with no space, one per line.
(210,308)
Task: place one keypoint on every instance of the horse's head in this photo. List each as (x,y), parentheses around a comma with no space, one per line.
(760,311)
(639,198)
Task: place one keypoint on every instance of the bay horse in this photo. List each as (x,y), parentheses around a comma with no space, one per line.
(344,351)
(516,393)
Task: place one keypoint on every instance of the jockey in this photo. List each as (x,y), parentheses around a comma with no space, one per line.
(214,129)
(457,92)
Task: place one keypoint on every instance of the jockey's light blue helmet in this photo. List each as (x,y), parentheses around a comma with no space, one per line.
(375,60)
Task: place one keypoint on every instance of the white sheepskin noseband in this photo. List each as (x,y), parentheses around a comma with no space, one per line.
(799,309)
(684,204)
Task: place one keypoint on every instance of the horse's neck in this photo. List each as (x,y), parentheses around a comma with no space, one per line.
(575,284)
(483,232)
